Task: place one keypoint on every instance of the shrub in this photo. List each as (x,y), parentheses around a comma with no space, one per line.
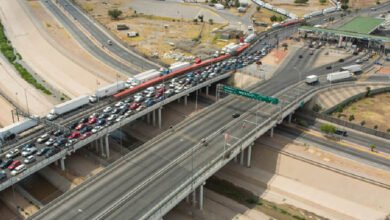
(362,123)
(328,128)
(317,108)
(114,13)
(351,118)
(375,127)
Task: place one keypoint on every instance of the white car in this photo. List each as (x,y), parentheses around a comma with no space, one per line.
(128,113)
(107,109)
(96,129)
(29,159)
(43,138)
(71,142)
(12,153)
(111,117)
(140,108)
(120,118)
(18,170)
(118,104)
(50,142)
(29,151)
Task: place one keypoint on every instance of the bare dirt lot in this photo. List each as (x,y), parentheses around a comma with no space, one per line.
(263,16)
(168,38)
(375,111)
(5,112)
(51,65)
(299,9)
(362,3)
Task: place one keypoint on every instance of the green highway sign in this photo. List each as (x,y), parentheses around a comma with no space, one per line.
(255,96)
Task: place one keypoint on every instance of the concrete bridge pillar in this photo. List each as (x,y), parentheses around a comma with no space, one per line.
(62,161)
(289,118)
(201,196)
(178,100)
(207,90)
(235,159)
(340,41)
(188,199)
(242,157)
(271,132)
(96,146)
(159,117)
(154,117)
(148,118)
(194,198)
(249,151)
(107,146)
(185,100)
(101,146)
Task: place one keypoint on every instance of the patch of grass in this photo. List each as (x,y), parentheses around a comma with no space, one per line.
(8,51)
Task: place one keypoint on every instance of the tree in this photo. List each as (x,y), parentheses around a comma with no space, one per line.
(344,7)
(362,123)
(322,1)
(237,3)
(372,147)
(375,127)
(273,18)
(351,118)
(114,13)
(328,128)
(258,8)
(211,21)
(195,20)
(368,91)
(200,17)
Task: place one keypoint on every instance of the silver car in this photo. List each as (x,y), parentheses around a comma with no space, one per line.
(29,151)
(29,159)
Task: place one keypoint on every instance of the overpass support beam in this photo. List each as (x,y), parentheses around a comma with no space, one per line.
(249,156)
(159,117)
(62,161)
(271,132)
(101,146)
(185,100)
(201,196)
(194,198)
(154,118)
(242,157)
(107,146)
(289,118)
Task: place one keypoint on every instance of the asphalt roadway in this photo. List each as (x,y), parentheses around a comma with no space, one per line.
(338,148)
(98,33)
(117,182)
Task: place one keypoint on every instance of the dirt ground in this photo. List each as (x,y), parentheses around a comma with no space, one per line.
(373,110)
(70,46)
(169,39)
(264,16)
(7,213)
(42,56)
(5,112)
(14,200)
(362,3)
(300,10)
(40,189)
(22,93)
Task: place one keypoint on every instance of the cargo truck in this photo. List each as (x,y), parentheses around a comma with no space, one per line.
(339,76)
(142,77)
(311,79)
(107,91)
(67,107)
(352,68)
(16,128)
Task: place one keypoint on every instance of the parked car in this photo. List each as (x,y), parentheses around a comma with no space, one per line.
(14,164)
(50,142)
(51,152)
(107,109)
(92,120)
(18,170)
(118,104)
(43,151)
(29,159)
(111,118)
(103,116)
(3,175)
(12,153)
(6,163)
(29,151)
(73,125)
(80,126)
(135,105)
(96,129)
(43,138)
(341,132)
(74,135)
(101,122)
(86,129)
(85,135)
(57,133)
(60,142)
(70,142)
(83,120)
(27,146)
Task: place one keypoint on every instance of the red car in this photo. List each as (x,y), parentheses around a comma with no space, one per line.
(74,135)
(85,135)
(80,126)
(92,120)
(135,105)
(14,164)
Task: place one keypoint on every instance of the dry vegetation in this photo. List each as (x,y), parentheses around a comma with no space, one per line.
(158,35)
(374,111)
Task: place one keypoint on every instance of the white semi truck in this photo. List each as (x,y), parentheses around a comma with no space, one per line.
(16,128)
(67,107)
(352,68)
(339,76)
(107,91)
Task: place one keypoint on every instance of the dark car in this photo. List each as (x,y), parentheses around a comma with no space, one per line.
(103,116)
(61,142)
(43,151)
(341,132)
(115,111)
(123,111)
(128,100)
(3,175)
(341,60)
(328,67)
(29,145)
(51,152)
(86,129)
(235,115)
(83,120)
(57,133)
(300,56)
(101,122)
(73,125)
(6,163)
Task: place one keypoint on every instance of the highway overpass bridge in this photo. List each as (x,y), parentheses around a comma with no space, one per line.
(150,181)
